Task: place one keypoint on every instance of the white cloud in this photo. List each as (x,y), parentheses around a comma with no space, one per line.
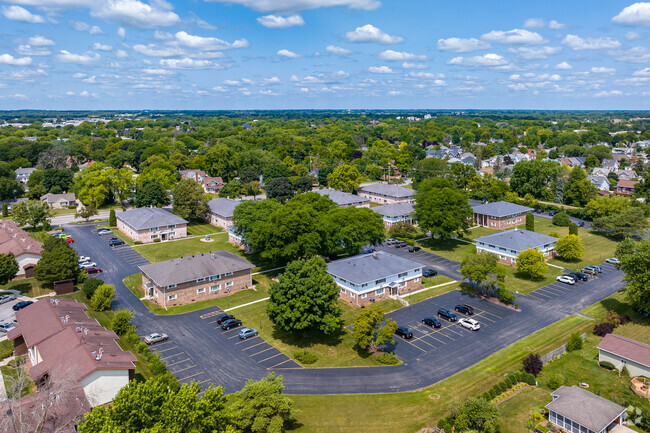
(26,75)
(16,13)
(121,54)
(370,33)
(101,47)
(556,25)
(162,36)
(535,23)
(82,59)
(188,63)
(391,56)
(231,83)
(645,72)
(563,66)
(280,22)
(299,5)
(380,70)
(8,59)
(535,53)
(631,55)
(203,43)
(324,78)
(633,36)
(154,71)
(153,50)
(605,93)
(577,43)
(407,65)
(121,32)
(515,36)
(489,59)
(271,81)
(458,45)
(288,54)
(79,75)
(40,41)
(637,14)
(332,49)
(158,13)
(28,50)
(602,70)
(427,75)
(83,27)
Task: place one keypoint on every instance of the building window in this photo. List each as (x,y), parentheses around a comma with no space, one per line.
(227,273)
(352,295)
(415,280)
(201,290)
(403,274)
(229,284)
(171,234)
(364,296)
(154,236)
(172,297)
(172,286)
(153,229)
(383,280)
(343,291)
(173,226)
(215,288)
(199,280)
(502,257)
(379,292)
(215,277)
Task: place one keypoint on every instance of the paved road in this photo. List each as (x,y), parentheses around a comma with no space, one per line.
(198,350)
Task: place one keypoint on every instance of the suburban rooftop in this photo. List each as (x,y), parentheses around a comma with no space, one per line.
(500,209)
(371,267)
(340,197)
(584,407)
(517,239)
(626,348)
(223,206)
(388,190)
(394,209)
(148,217)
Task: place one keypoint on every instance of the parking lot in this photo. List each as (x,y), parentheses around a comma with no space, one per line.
(558,290)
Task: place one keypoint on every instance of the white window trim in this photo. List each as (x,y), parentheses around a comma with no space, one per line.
(215,288)
(229,284)
(172,286)
(200,280)
(172,297)
(201,290)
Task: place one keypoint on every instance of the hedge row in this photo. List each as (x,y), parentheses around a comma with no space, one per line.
(511,380)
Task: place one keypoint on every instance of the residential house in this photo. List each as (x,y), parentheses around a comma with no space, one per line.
(365,278)
(509,243)
(625,187)
(579,411)
(599,171)
(626,174)
(22,174)
(396,212)
(26,250)
(146,224)
(500,215)
(385,193)
(600,182)
(344,199)
(236,239)
(625,352)
(190,279)
(62,343)
(208,183)
(220,211)
(609,165)
(11,202)
(59,201)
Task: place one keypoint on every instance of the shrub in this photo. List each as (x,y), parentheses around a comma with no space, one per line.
(305,357)
(530,222)
(157,367)
(444,424)
(607,365)
(529,379)
(624,320)
(554,234)
(506,296)
(137,243)
(90,285)
(388,358)
(613,318)
(121,322)
(603,329)
(574,343)
(133,338)
(625,372)
(510,380)
(533,364)
(17,361)
(561,219)
(573,228)
(157,240)
(102,298)
(112,219)
(555,381)
(142,347)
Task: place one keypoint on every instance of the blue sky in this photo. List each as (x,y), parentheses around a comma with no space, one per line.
(303,54)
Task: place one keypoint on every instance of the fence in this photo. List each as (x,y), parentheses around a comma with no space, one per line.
(557,352)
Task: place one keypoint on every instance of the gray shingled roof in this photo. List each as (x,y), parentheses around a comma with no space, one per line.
(223,206)
(367,268)
(147,217)
(500,209)
(394,209)
(388,190)
(517,239)
(340,197)
(584,407)
(184,269)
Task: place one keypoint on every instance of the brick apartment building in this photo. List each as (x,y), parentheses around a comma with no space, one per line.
(146,224)
(500,215)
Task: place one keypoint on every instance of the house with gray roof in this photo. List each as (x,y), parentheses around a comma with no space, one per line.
(196,278)
(59,201)
(220,211)
(365,278)
(500,215)
(385,193)
(600,182)
(396,212)
(579,411)
(146,224)
(344,199)
(22,174)
(509,243)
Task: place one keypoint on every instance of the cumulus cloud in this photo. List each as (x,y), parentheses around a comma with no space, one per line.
(121,32)
(207,43)
(101,47)
(556,25)
(83,27)
(408,65)
(324,78)
(459,45)
(370,33)
(65,56)
(605,93)
(633,36)
(515,36)
(270,81)
(535,23)
(299,5)
(602,70)
(153,50)
(563,66)
(637,14)
(489,59)
(631,55)
(28,50)
(575,42)
(40,41)
(280,22)
(645,72)
(158,71)
(137,14)
(391,55)
(380,70)
(332,49)
(8,59)
(121,54)
(534,53)
(288,54)
(17,13)
(427,76)
(188,63)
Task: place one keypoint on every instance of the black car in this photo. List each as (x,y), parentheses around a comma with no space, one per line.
(414,249)
(22,304)
(579,276)
(404,332)
(222,318)
(581,223)
(465,309)
(553,212)
(230,323)
(432,321)
(447,315)
(115,242)
(428,273)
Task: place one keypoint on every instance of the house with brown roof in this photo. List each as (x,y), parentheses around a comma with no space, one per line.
(625,352)
(208,183)
(625,187)
(63,344)
(26,250)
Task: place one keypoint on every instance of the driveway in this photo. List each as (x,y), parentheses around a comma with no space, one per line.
(198,350)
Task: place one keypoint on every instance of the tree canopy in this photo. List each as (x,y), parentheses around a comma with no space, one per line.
(442,208)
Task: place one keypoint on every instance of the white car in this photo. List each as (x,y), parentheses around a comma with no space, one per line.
(566,279)
(83,259)
(155,338)
(6,298)
(104,232)
(613,261)
(6,327)
(469,324)
(88,265)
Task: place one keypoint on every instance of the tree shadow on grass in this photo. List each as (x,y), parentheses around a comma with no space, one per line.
(524,276)
(623,308)
(307,339)
(447,245)
(21,287)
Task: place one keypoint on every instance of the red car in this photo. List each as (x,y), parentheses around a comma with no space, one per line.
(69,240)
(93,270)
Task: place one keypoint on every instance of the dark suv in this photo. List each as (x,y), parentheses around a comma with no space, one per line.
(230,323)
(579,276)
(428,273)
(222,318)
(465,309)
(115,242)
(432,321)
(404,332)
(447,315)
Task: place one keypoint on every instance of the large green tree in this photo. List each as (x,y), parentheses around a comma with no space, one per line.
(93,185)
(484,272)
(534,177)
(58,262)
(365,328)
(280,189)
(31,212)
(442,208)
(570,247)
(344,178)
(249,214)
(348,229)
(305,298)
(531,263)
(189,200)
(478,415)
(8,268)
(605,206)
(635,264)
(150,193)
(631,222)
(579,191)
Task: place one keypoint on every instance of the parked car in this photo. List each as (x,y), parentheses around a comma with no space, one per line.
(400,244)
(62,235)
(579,276)
(368,251)
(247,333)
(447,315)
(613,261)
(465,309)
(404,332)
(566,279)
(93,270)
(469,324)
(414,249)
(589,270)
(87,265)
(390,241)
(581,224)
(83,259)
(538,211)
(69,240)
(155,338)
(102,232)
(595,268)
(6,327)
(115,242)
(20,305)
(230,323)
(432,321)
(428,273)
(6,298)
(222,318)
(553,212)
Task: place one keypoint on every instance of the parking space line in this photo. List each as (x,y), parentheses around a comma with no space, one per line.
(169,356)
(187,368)
(229,330)
(535,297)
(544,291)
(250,347)
(491,314)
(538,293)
(283,362)
(269,348)
(453,330)
(210,314)
(206,380)
(162,344)
(422,340)
(431,335)
(189,377)
(178,362)
(246,339)
(270,357)
(484,317)
(164,350)
(555,290)
(415,345)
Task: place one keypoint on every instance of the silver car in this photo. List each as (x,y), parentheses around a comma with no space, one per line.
(155,338)
(88,265)
(6,327)
(6,298)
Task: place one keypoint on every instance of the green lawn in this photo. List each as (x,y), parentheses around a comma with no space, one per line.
(452,249)
(65,211)
(202,229)
(122,236)
(515,282)
(13,378)
(6,349)
(515,412)
(430,293)
(480,231)
(27,287)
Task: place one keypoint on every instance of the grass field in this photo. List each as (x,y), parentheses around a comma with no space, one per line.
(516,282)
(515,413)
(430,293)
(27,287)
(202,229)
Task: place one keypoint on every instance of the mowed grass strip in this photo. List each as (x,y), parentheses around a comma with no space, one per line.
(202,229)
(27,287)
(423,295)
